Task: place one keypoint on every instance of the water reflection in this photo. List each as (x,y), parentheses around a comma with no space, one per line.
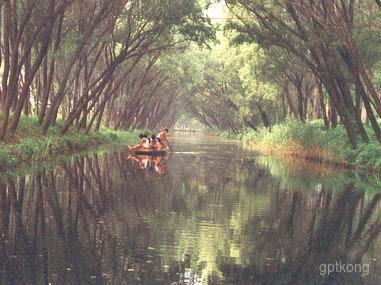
(216,215)
(157,164)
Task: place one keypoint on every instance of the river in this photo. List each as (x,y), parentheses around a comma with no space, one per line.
(213,212)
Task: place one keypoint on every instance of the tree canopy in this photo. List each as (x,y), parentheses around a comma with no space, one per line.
(154,63)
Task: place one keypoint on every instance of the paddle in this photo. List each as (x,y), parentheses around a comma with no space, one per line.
(169,146)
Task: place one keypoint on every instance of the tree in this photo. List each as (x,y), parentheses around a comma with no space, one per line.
(320,35)
(27,25)
(68,59)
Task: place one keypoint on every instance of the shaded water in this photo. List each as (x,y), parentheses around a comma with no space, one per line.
(212,213)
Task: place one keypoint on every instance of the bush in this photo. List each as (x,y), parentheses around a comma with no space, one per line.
(312,136)
(33,146)
(369,154)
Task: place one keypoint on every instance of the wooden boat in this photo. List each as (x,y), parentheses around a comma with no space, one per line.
(150,152)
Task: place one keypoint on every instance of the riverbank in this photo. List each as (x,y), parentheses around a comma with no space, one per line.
(311,141)
(28,144)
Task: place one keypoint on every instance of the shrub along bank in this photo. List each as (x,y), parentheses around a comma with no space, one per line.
(311,141)
(29,145)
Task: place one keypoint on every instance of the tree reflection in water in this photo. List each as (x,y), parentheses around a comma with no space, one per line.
(101,220)
(304,231)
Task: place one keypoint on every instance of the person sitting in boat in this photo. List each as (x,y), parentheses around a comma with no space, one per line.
(155,143)
(143,145)
(162,137)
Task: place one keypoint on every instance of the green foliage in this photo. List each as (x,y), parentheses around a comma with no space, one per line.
(223,86)
(33,146)
(6,161)
(111,136)
(311,136)
(369,155)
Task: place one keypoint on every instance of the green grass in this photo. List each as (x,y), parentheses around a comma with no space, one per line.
(29,145)
(311,140)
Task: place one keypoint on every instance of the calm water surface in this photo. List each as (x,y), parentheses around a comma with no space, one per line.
(211,213)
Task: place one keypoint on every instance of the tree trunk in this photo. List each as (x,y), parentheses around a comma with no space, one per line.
(322,105)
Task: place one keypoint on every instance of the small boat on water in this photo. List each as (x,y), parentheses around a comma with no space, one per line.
(149,152)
